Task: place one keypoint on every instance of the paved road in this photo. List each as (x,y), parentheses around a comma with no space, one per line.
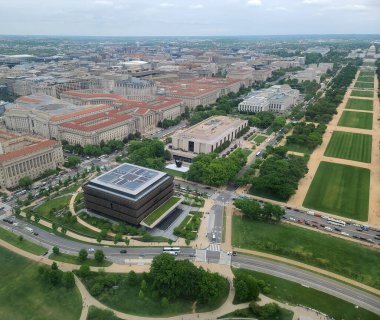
(306,278)
(321,283)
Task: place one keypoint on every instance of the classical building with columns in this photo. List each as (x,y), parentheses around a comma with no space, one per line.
(25,155)
(88,124)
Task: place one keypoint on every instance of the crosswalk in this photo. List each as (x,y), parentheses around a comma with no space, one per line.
(214,247)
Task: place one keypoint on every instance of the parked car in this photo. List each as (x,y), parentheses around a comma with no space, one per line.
(123,251)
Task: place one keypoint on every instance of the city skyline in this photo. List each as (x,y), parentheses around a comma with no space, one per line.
(185,18)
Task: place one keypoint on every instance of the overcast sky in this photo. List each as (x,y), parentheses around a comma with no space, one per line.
(188,17)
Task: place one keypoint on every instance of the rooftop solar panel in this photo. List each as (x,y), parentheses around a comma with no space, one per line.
(129,178)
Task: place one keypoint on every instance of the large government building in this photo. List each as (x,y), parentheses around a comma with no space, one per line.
(206,136)
(24,155)
(128,192)
(113,117)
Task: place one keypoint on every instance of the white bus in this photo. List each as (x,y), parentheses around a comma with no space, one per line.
(172,250)
(336,222)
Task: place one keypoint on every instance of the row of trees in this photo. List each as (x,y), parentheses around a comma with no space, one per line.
(307,135)
(97,150)
(181,279)
(252,209)
(266,119)
(166,123)
(377,64)
(211,170)
(323,110)
(149,153)
(168,280)
(56,277)
(279,175)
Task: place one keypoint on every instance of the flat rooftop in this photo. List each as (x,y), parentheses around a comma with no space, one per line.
(211,128)
(128,178)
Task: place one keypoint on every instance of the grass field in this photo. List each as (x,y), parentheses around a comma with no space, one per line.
(361,120)
(63,257)
(340,189)
(259,139)
(298,148)
(156,214)
(351,146)
(359,104)
(174,173)
(366,79)
(24,296)
(290,292)
(25,245)
(324,251)
(366,94)
(363,85)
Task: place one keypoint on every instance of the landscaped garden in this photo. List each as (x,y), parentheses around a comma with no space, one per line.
(157,214)
(364,94)
(189,226)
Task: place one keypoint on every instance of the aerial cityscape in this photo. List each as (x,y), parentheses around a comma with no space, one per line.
(190,160)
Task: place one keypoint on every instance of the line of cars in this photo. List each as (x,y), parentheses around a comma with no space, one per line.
(334,225)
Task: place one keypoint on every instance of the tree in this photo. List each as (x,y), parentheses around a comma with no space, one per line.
(54,266)
(30,196)
(20,238)
(126,241)
(143,285)
(132,278)
(68,280)
(37,218)
(96,289)
(99,256)
(241,291)
(141,294)
(118,237)
(82,255)
(164,302)
(99,238)
(56,250)
(25,182)
(187,241)
(84,271)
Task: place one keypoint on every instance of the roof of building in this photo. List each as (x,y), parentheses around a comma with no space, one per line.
(211,128)
(128,178)
(27,150)
(97,121)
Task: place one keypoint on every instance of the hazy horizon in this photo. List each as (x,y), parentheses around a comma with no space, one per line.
(137,18)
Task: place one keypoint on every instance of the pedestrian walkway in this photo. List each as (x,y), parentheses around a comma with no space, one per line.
(214,247)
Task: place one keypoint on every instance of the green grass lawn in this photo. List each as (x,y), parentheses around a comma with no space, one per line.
(366,79)
(252,136)
(61,203)
(156,214)
(174,173)
(361,120)
(95,313)
(293,293)
(340,256)
(24,296)
(366,94)
(260,139)
(351,146)
(25,245)
(340,189)
(363,85)
(63,257)
(298,148)
(359,104)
